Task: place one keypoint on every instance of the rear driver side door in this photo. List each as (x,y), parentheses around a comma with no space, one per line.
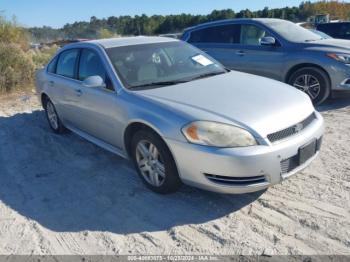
(221,42)
(63,84)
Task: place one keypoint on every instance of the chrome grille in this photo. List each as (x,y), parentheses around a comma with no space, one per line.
(241,181)
(292,130)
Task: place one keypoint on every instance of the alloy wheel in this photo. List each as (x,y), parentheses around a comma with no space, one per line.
(51,115)
(309,84)
(150,163)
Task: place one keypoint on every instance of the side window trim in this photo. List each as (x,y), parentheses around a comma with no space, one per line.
(271,32)
(210,27)
(76,66)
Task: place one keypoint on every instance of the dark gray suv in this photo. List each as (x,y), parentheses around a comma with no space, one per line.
(277,49)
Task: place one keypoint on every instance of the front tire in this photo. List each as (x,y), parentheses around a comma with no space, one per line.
(53,118)
(313,81)
(154,162)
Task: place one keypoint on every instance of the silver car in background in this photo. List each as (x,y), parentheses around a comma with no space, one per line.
(277,49)
(179,114)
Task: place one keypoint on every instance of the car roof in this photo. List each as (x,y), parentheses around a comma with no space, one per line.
(236,20)
(125,41)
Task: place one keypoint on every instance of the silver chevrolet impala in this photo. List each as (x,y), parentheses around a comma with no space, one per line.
(179,115)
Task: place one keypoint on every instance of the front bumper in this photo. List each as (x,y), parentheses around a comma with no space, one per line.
(251,168)
(340,76)
(345,84)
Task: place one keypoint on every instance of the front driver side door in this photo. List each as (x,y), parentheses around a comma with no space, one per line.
(257,59)
(98,106)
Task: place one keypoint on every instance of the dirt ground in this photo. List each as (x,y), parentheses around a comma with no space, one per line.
(64,195)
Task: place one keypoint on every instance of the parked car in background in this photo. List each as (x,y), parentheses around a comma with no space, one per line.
(277,49)
(179,114)
(340,30)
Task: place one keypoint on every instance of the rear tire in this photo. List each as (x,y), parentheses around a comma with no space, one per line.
(313,81)
(53,118)
(154,162)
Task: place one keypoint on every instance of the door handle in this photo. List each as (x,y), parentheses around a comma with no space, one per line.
(78,92)
(240,53)
(51,83)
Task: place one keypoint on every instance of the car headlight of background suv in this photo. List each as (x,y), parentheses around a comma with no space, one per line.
(217,134)
(344,58)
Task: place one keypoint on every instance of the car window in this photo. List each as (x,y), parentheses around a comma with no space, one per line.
(90,65)
(331,29)
(66,63)
(225,34)
(51,68)
(345,30)
(251,35)
(320,33)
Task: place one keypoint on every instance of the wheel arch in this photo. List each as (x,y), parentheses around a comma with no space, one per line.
(304,65)
(43,99)
(135,126)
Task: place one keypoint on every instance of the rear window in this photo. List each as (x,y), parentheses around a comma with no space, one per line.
(66,63)
(225,34)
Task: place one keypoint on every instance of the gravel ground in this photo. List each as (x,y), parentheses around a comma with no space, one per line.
(63,195)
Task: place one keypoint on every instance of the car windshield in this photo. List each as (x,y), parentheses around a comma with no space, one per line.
(321,34)
(161,64)
(292,32)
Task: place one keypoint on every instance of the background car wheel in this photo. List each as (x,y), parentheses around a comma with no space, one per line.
(52,117)
(154,162)
(312,81)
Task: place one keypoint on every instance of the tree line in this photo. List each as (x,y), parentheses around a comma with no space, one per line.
(159,24)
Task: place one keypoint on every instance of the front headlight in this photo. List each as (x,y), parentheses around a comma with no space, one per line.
(344,58)
(217,134)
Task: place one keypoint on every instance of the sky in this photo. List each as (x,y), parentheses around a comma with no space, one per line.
(57,13)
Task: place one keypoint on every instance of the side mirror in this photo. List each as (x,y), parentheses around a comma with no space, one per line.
(268,41)
(94,82)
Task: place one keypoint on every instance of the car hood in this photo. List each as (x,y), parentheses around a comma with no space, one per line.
(330,45)
(258,104)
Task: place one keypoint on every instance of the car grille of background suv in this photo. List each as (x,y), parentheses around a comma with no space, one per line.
(236,181)
(292,130)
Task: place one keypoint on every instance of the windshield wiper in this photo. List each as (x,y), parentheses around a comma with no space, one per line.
(313,40)
(175,82)
(164,83)
(207,75)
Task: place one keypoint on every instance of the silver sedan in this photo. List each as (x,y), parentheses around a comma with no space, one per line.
(179,115)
